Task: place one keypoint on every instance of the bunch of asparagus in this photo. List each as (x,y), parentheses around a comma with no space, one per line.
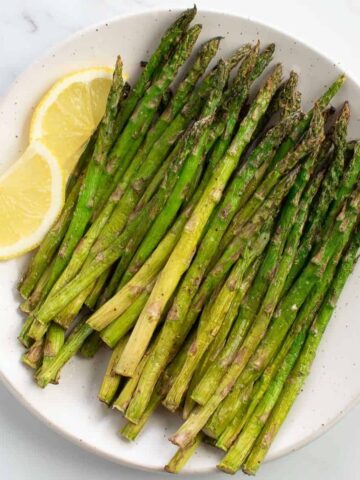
(205,239)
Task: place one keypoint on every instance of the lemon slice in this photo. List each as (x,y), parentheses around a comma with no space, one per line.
(31,198)
(69,112)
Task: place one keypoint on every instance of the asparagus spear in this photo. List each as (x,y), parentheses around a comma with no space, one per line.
(97,289)
(218,342)
(311,141)
(111,380)
(137,285)
(117,329)
(33,356)
(131,430)
(278,276)
(180,98)
(54,340)
(219,223)
(301,370)
(232,106)
(140,221)
(171,338)
(282,321)
(297,333)
(227,409)
(211,320)
(55,304)
(170,38)
(138,282)
(300,127)
(132,134)
(72,344)
(120,214)
(91,346)
(231,63)
(84,206)
(166,203)
(182,456)
(179,121)
(30,304)
(286,101)
(122,401)
(188,173)
(184,250)
(328,192)
(240,450)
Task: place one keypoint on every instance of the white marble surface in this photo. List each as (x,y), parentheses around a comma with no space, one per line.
(27,29)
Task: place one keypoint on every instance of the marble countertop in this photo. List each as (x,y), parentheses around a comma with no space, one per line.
(28,449)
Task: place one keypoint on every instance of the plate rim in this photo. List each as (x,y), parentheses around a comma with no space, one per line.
(83,444)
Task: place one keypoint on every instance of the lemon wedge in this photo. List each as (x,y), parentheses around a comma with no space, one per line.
(69,113)
(31,198)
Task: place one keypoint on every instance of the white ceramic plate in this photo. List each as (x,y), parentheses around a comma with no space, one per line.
(72,408)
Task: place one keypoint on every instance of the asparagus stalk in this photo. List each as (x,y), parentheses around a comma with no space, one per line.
(123,400)
(327,194)
(171,338)
(136,286)
(301,126)
(218,421)
(47,374)
(240,450)
(84,205)
(111,380)
(54,340)
(33,356)
(227,409)
(228,116)
(184,250)
(131,430)
(309,143)
(218,342)
(231,63)
(221,220)
(182,456)
(30,304)
(170,38)
(297,333)
(140,221)
(138,227)
(221,416)
(148,245)
(138,282)
(181,96)
(192,165)
(91,346)
(203,210)
(282,321)
(123,324)
(302,367)
(98,288)
(286,101)
(278,273)
(165,204)
(120,158)
(212,318)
